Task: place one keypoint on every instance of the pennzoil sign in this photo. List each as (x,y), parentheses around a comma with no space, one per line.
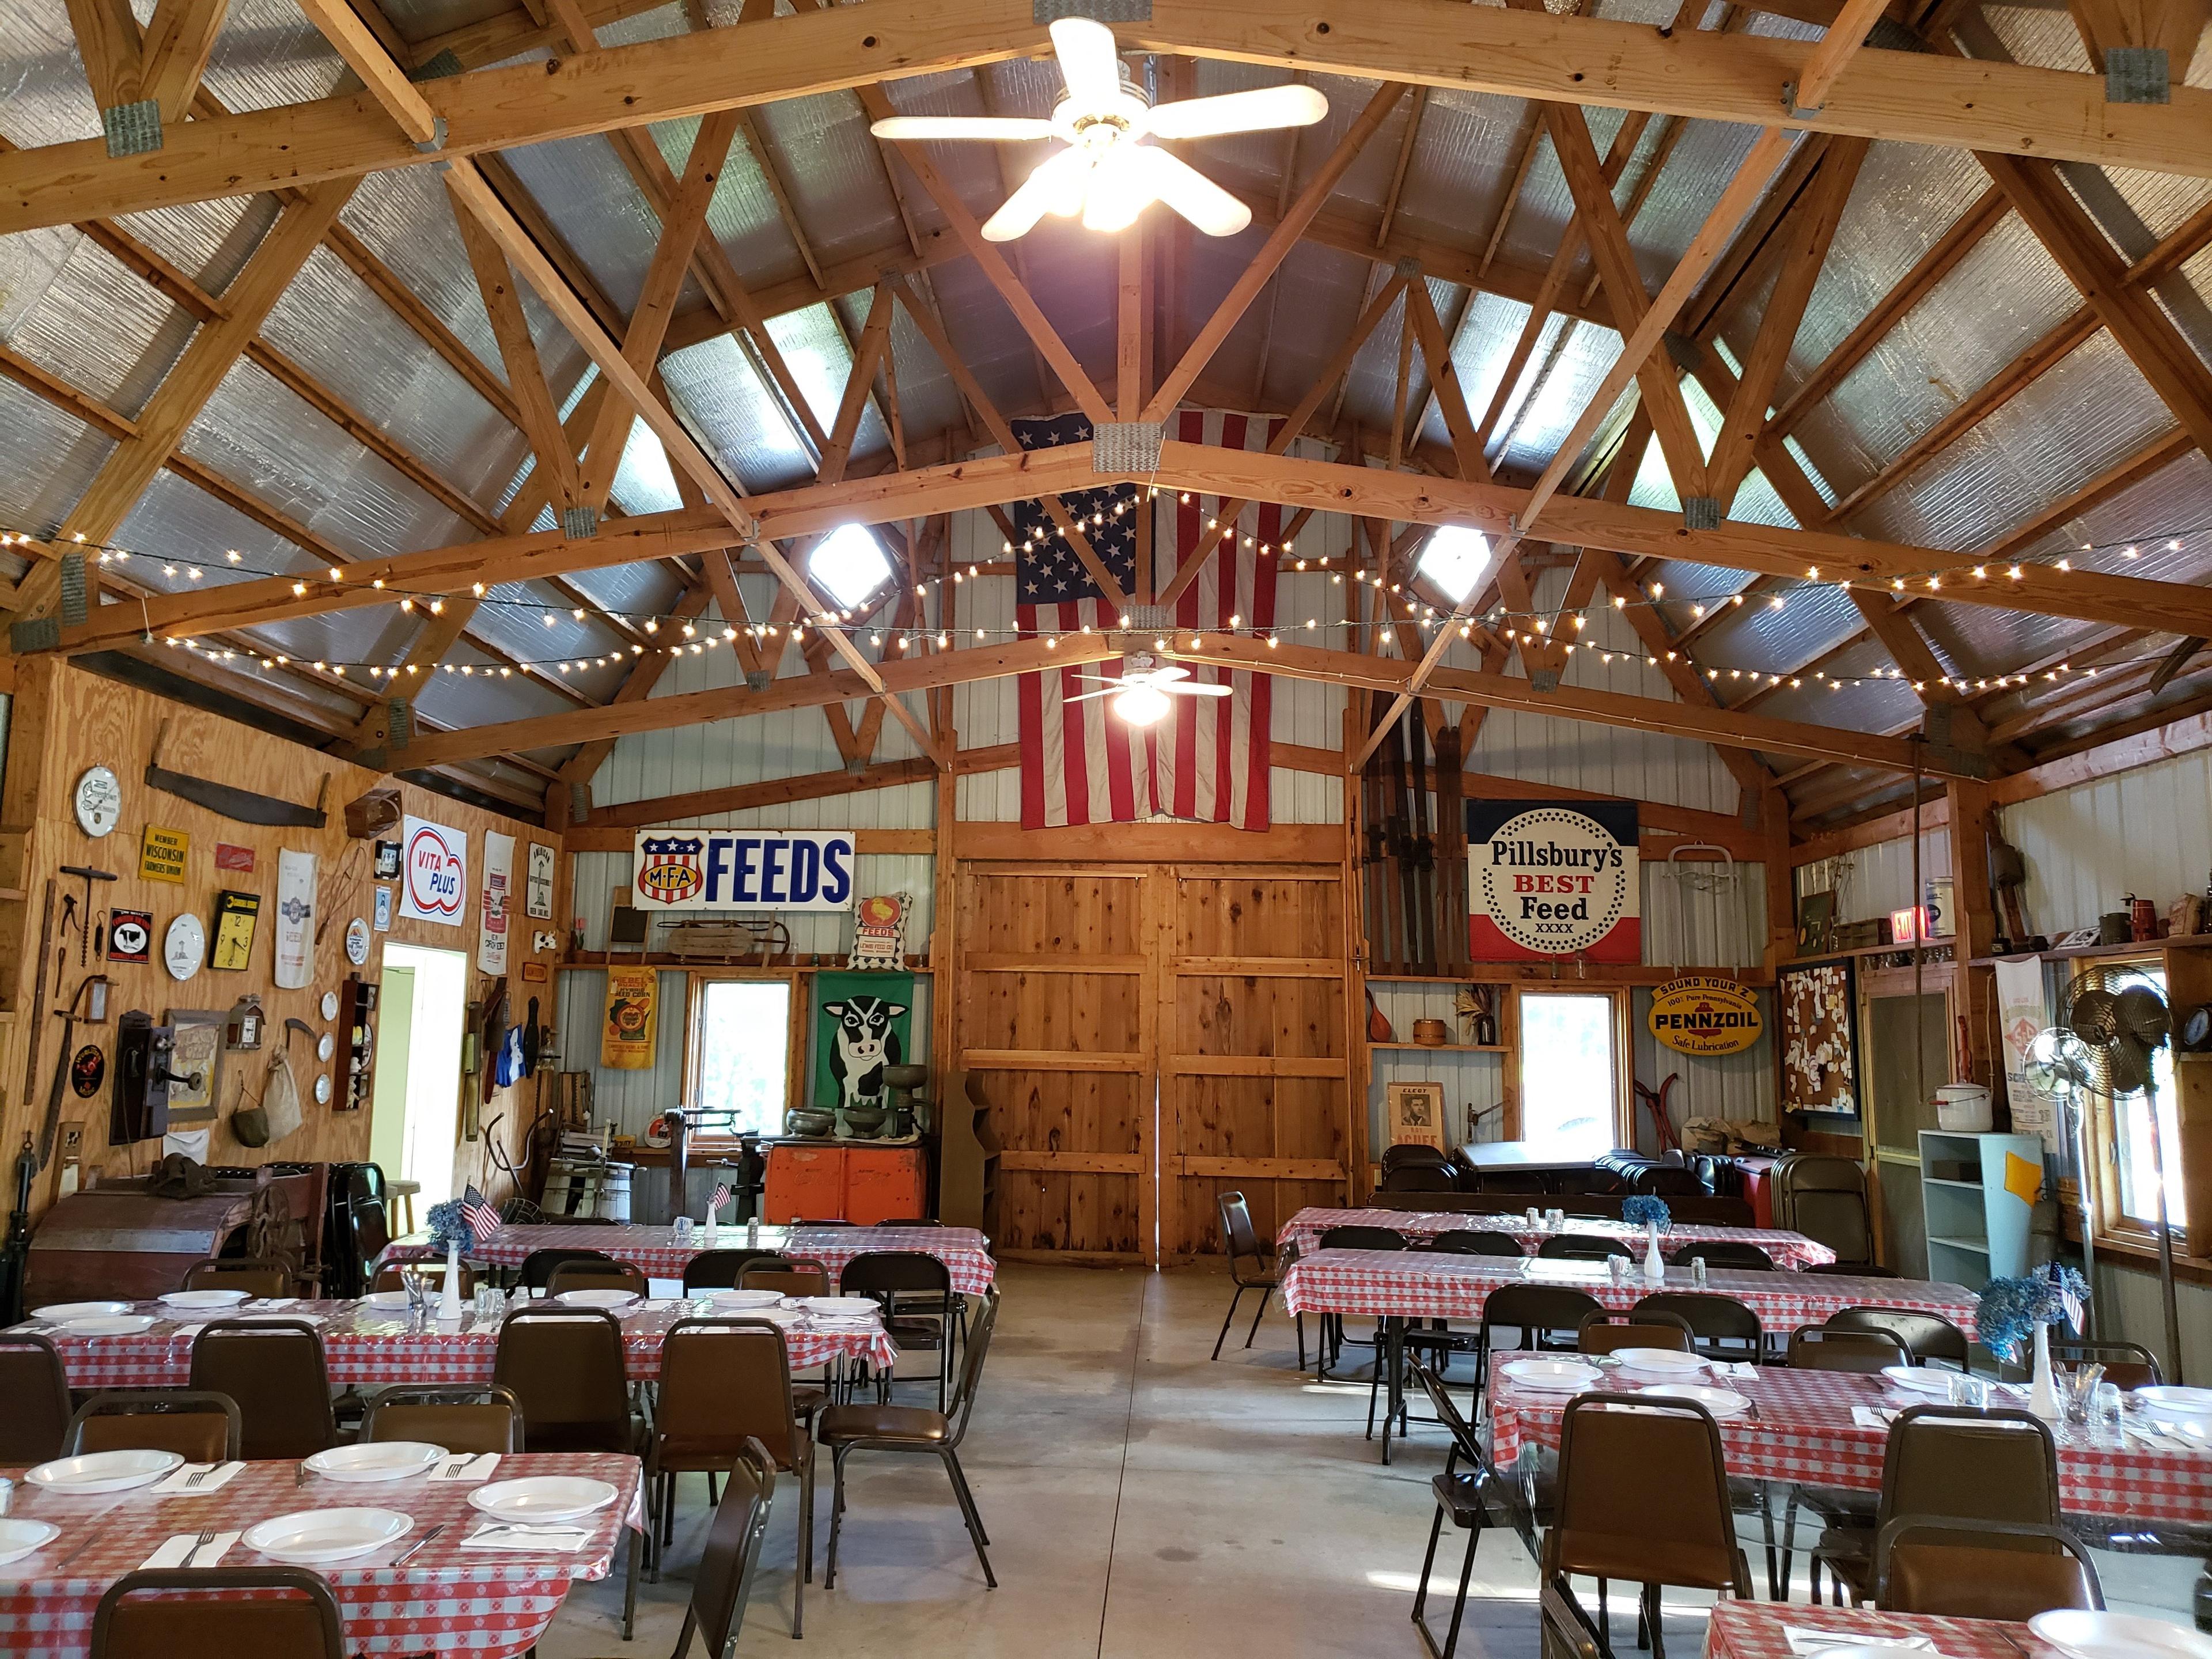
(1706,1014)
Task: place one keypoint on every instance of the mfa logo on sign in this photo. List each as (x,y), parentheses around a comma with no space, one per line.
(434,871)
(670,872)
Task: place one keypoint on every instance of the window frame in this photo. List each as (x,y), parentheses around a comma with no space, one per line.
(1624,1055)
(797,990)
(2106,1189)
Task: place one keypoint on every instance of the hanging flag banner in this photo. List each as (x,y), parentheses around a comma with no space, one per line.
(498,902)
(627,1030)
(433,871)
(2021,1012)
(743,870)
(1554,878)
(295,914)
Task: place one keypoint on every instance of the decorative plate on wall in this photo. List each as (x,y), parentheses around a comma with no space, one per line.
(184,947)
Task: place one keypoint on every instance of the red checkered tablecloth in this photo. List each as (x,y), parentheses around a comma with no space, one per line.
(366,1345)
(1759,1629)
(485,1603)
(1417,1284)
(1792,1250)
(1803,1432)
(655,1252)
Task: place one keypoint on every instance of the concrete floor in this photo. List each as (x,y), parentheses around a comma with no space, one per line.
(1144,1504)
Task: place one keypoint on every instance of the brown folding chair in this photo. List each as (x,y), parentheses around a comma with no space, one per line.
(274,1370)
(2128,1365)
(1723,1326)
(464,1418)
(1547,1319)
(915,1291)
(1643,1496)
(725,1388)
(1605,1332)
(1942,1564)
(1475,1241)
(1461,1491)
(538,1265)
(1583,1247)
(596,1276)
(724,1583)
(34,1399)
(255,1275)
(1825,1198)
(273,1610)
(788,1276)
(1724,1253)
(1419,1178)
(1927,1337)
(1822,1348)
(200,1428)
(917,1431)
(718,1270)
(1241,1243)
(392,1276)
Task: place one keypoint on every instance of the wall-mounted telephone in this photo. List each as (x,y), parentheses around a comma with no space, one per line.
(140,1104)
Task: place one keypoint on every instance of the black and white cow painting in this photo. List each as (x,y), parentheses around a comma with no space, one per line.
(865,1044)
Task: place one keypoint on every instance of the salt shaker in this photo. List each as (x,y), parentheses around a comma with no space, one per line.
(1535,1219)
(682,1230)
(1697,1271)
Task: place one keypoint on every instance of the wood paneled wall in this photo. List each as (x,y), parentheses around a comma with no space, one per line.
(64,721)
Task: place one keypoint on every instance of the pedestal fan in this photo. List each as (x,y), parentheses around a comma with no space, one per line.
(2113,1023)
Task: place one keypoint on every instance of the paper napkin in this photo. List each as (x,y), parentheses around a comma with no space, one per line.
(213,1477)
(1820,1641)
(173,1554)
(503,1536)
(278,1301)
(1871,1417)
(478,1468)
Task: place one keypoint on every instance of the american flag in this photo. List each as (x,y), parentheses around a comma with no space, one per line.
(481,1213)
(1208,761)
(718,1198)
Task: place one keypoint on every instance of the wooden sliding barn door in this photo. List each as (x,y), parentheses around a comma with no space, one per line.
(1056,1022)
(1150,1036)
(1255,1085)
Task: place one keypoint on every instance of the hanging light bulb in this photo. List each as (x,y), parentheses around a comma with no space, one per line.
(1141,705)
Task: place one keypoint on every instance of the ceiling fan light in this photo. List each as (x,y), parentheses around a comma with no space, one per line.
(1058,185)
(1121,189)
(1140,705)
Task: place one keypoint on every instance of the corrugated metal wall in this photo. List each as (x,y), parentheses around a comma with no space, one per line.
(1873,881)
(2147,832)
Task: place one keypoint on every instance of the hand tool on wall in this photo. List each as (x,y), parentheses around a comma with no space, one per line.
(241,804)
(39,994)
(1662,1121)
(84,922)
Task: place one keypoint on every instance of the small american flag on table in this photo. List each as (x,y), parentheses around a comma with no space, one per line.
(481,1214)
(717,1198)
(1208,760)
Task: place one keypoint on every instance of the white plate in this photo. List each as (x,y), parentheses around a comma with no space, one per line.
(2117,1636)
(543,1498)
(1552,1376)
(2174,1399)
(746,1299)
(596,1298)
(840,1307)
(385,1299)
(20,1538)
(1665,1363)
(286,1316)
(309,1537)
(100,1472)
(207,1298)
(379,1460)
(1721,1402)
(66,1310)
(110,1325)
(1920,1379)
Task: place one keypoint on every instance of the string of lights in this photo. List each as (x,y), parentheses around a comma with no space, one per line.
(1559,627)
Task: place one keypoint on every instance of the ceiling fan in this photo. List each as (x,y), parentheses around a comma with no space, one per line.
(1140,695)
(1108,173)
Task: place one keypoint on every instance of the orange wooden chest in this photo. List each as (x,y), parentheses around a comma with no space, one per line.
(860,1184)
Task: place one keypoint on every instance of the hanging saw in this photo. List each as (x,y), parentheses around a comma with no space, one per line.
(241,804)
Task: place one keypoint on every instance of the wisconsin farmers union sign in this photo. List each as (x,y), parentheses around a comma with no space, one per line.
(1554,878)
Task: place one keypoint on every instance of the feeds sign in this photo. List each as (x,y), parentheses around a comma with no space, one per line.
(743,870)
(433,871)
(1551,879)
(1704,1014)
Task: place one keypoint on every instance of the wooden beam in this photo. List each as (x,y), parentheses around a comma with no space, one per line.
(1821,70)
(368,57)
(525,374)
(175,52)
(1272,253)
(107,42)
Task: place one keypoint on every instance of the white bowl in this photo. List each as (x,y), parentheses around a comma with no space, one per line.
(746,1299)
(1668,1364)
(62,1311)
(110,1325)
(1920,1379)
(1721,1402)
(207,1298)
(379,1460)
(840,1307)
(543,1498)
(309,1537)
(20,1537)
(2084,1635)
(1552,1376)
(596,1299)
(102,1472)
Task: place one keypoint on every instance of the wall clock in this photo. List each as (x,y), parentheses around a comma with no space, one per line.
(99,801)
(184,947)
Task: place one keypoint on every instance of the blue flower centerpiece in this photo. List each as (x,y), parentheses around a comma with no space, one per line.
(1642,1212)
(449,1227)
(2014,1311)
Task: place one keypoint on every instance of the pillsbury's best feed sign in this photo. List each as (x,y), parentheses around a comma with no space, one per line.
(1554,878)
(742,870)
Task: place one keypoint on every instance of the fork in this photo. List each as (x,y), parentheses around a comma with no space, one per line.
(453,1470)
(206,1537)
(198,1475)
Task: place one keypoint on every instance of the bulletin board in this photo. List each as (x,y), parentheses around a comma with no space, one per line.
(1820,1040)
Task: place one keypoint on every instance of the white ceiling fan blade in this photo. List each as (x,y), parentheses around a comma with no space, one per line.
(1177,689)
(1004,129)
(1056,186)
(1239,111)
(1193,195)
(1085,696)
(1088,61)
(1173,671)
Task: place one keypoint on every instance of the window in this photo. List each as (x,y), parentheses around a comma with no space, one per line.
(1570,1073)
(2133,1151)
(740,1053)
(850,564)
(1454,560)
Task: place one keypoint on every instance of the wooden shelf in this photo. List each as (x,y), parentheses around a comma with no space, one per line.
(2091,952)
(1938,1180)
(772,970)
(1977,1246)
(1447,1048)
(1947,943)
